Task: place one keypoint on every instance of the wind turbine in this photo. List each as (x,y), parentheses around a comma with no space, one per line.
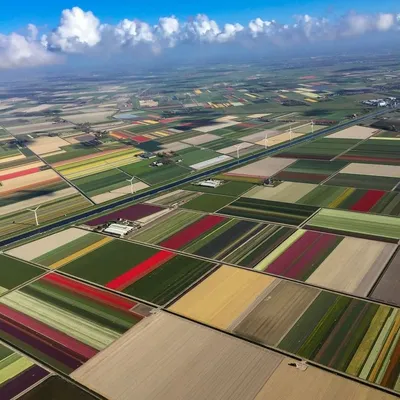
(312,126)
(34,210)
(238,148)
(132,184)
(266,141)
(290,133)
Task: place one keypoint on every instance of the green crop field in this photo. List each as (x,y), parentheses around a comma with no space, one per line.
(208,202)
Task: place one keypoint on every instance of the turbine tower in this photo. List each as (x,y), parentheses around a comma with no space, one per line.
(266,141)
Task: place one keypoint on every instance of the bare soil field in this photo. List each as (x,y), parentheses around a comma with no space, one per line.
(287,192)
(208,137)
(123,191)
(165,368)
(42,246)
(391,171)
(263,168)
(45,144)
(260,136)
(354,266)
(232,149)
(355,132)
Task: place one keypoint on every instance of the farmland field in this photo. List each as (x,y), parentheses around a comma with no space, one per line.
(357,224)
(281,283)
(23,220)
(18,373)
(310,171)
(14,272)
(228,188)
(341,263)
(208,202)
(153,275)
(305,321)
(363,182)
(320,149)
(285,213)
(62,321)
(374,152)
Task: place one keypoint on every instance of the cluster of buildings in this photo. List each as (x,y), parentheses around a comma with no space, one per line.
(387,102)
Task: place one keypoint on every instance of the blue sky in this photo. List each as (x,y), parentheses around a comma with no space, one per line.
(18,14)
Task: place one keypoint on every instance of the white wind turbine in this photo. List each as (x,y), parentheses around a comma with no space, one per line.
(266,141)
(290,133)
(238,146)
(132,184)
(34,210)
(312,126)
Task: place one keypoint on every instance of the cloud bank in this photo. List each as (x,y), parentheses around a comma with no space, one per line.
(81,32)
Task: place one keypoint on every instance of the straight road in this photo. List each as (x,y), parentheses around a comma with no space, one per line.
(194,177)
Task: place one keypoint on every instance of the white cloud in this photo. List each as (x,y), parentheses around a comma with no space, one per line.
(20,51)
(259,27)
(77,31)
(80,30)
(133,32)
(385,22)
(229,32)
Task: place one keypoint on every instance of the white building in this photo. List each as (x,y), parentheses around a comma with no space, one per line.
(118,229)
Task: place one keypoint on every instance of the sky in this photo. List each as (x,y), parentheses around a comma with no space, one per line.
(48,32)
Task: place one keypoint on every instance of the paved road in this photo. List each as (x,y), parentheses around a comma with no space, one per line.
(168,186)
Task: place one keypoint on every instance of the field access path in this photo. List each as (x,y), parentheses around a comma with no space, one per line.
(108,207)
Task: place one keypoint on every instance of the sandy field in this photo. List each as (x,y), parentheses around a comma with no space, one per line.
(353,266)
(45,144)
(208,137)
(38,127)
(183,360)
(233,291)
(355,132)
(316,384)
(211,162)
(175,146)
(12,158)
(35,249)
(23,205)
(54,153)
(259,136)
(283,137)
(76,139)
(38,108)
(113,194)
(390,171)
(258,115)
(263,168)
(23,181)
(89,117)
(214,127)
(232,149)
(287,192)
(227,118)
